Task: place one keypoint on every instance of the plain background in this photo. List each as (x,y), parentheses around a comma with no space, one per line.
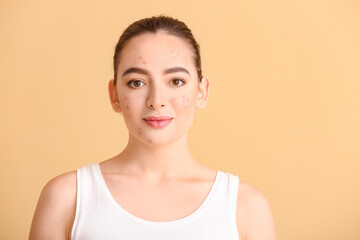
(283,114)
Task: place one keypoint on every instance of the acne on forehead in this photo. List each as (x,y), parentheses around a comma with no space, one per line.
(175,51)
(174,54)
(143,61)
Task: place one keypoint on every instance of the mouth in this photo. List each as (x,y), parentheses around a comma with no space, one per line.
(158,122)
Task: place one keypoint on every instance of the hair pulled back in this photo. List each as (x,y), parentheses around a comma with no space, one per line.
(153,25)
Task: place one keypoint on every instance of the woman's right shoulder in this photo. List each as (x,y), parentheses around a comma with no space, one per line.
(55,211)
(64,183)
(61,190)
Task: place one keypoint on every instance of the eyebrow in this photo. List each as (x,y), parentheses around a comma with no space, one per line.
(135,70)
(143,71)
(176,69)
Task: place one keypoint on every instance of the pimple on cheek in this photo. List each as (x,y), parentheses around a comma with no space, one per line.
(183,99)
(139,131)
(127,107)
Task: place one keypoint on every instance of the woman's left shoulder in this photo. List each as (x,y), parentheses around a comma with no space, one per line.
(253,214)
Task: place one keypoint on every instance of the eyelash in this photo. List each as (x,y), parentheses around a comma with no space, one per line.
(131,82)
(182,82)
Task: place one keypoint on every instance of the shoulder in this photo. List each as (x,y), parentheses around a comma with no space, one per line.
(61,189)
(56,207)
(253,214)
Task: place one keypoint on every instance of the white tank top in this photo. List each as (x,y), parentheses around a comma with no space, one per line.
(100,217)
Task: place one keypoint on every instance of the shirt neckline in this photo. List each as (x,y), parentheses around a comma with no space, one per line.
(152,223)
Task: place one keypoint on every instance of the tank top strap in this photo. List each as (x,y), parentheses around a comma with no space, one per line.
(232,191)
(87,196)
(227,197)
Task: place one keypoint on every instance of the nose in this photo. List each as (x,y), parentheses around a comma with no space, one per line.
(156,98)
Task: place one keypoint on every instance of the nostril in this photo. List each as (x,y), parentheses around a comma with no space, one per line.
(156,106)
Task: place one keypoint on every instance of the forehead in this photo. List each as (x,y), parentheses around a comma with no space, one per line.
(157,50)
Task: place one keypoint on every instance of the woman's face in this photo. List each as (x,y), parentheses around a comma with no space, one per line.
(158,88)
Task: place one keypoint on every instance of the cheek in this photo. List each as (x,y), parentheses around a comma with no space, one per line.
(183,102)
(126,106)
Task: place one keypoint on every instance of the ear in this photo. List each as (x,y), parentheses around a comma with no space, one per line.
(203,93)
(114,99)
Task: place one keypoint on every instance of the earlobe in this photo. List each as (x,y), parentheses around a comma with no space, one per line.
(203,93)
(114,99)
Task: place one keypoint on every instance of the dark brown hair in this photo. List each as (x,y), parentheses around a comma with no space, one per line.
(152,25)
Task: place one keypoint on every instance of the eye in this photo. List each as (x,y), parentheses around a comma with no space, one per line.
(135,83)
(177,82)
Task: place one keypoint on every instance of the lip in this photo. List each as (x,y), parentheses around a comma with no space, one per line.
(158,122)
(159,118)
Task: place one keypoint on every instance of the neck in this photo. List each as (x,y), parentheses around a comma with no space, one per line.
(157,161)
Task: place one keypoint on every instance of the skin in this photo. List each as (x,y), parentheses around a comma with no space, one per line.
(156,168)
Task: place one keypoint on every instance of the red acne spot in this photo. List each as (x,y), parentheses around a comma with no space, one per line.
(183,99)
(150,141)
(125,98)
(127,107)
(144,62)
(172,99)
(139,131)
(140,57)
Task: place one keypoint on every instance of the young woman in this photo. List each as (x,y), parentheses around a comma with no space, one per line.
(153,189)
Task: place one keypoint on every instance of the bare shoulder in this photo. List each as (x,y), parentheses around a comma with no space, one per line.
(253,214)
(55,210)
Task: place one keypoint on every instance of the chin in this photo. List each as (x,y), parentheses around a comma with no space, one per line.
(159,139)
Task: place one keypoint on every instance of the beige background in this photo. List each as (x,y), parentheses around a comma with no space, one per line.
(283,114)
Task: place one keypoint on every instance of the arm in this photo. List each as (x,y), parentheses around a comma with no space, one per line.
(55,211)
(253,215)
